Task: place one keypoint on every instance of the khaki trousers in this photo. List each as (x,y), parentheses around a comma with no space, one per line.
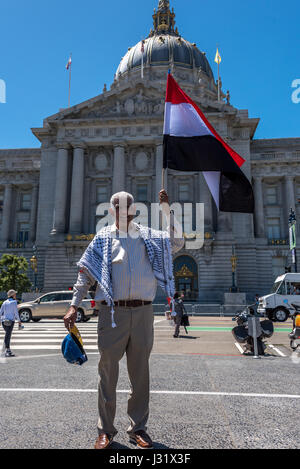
(133,336)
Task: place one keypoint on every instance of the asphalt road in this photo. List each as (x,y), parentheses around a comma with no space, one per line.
(204,392)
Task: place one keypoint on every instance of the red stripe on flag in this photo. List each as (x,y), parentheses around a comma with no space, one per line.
(176,95)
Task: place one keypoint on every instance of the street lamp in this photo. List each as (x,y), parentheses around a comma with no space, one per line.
(33,263)
(233,265)
(292,236)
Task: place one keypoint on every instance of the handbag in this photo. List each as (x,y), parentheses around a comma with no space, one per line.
(185,320)
(7,322)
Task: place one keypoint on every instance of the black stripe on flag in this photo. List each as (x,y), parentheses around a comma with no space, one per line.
(205,154)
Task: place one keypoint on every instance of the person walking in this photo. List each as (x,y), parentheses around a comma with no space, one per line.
(179,309)
(8,315)
(127,260)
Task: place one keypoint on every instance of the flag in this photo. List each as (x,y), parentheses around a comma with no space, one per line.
(192,144)
(69,63)
(218,59)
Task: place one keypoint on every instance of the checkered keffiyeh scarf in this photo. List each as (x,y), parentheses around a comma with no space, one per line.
(98,261)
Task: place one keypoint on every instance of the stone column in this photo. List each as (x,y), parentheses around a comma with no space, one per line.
(290,192)
(119,169)
(259,207)
(76,211)
(61,188)
(205,198)
(6,214)
(33,212)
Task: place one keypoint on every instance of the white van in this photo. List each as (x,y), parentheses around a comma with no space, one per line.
(286,287)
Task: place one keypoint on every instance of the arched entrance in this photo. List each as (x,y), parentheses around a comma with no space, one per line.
(186,277)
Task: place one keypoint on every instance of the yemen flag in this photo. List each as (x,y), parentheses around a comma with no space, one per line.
(192,144)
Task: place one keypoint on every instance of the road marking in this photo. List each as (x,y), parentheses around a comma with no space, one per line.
(43,341)
(184,393)
(47,347)
(277,350)
(239,348)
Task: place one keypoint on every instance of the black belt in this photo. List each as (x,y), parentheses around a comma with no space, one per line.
(129,303)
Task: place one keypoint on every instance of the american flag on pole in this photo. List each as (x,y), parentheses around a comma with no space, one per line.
(69,63)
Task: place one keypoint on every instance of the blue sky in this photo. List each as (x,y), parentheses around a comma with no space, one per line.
(259,42)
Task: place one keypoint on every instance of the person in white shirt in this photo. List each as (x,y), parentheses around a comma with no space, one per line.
(134,278)
(8,315)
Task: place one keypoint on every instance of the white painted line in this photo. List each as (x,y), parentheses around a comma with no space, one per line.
(239,348)
(24,357)
(277,350)
(159,320)
(43,341)
(47,347)
(184,393)
(45,336)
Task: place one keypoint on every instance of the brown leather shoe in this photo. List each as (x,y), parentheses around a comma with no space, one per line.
(103,441)
(141,439)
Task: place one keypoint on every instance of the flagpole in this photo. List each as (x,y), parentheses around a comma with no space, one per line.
(142,52)
(219,81)
(70,68)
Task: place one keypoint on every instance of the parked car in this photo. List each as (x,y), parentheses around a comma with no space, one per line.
(55,305)
(274,306)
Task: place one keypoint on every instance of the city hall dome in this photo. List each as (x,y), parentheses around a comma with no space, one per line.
(164,47)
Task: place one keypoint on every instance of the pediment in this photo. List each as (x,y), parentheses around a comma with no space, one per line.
(141,101)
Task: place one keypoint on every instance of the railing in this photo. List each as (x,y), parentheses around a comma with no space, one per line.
(202,309)
(277,241)
(16,244)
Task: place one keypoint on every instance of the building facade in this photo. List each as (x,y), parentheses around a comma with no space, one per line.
(49,196)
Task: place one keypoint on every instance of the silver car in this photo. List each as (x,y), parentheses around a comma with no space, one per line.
(55,305)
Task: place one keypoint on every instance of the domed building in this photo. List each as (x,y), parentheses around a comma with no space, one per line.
(49,197)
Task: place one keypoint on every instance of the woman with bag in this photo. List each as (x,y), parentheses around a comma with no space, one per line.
(179,309)
(8,315)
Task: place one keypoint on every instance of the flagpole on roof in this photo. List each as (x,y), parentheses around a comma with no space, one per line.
(69,67)
(218,61)
(142,52)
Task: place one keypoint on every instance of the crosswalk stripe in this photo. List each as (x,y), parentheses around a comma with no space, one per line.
(47,336)
(47,347)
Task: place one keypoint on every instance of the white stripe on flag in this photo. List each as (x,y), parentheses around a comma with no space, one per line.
(182,120)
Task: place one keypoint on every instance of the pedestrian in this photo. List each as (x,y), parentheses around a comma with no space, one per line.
(127,260)
(179,309)
(8,315)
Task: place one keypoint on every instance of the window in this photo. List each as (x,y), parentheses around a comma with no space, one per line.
(183,192)
(23,232)
(64,296)
(278,287)
(142,193)
(271,195)
(293,288)
(47,298)
(102,196)
(25,201)
(273,228)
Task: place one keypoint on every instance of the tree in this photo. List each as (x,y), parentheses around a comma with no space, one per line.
(13,273)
